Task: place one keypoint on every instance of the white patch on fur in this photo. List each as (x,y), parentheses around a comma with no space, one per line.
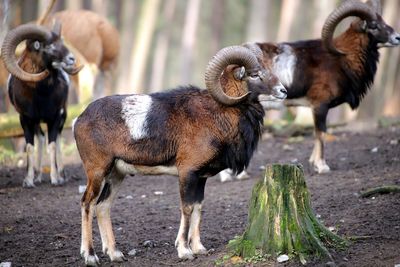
(73,124)
(126,168)
(284,65)
(134,111)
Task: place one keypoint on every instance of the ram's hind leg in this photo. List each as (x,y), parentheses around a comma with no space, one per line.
(103,207)
(194,230)
(95,178)
(40,144)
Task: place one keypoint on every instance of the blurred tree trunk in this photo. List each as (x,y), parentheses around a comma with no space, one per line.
(73,4)
(127,33)
(257,26)
(29,10)
(189,39)
(86,4)
(161,49)
(392,107)
(45,6)
(383,88)
(139,55)
(289,12)
(4,20)
(100,7)
(217,25)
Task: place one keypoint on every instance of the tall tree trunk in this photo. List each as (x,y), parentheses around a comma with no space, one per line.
(4,22)
(392,107)
(29,11)
(288,14)
(100,7)
(281,220)
(161,49)
(257,26)
(73,4)
(127,30)
(217,25)
(188,40)
(139,56)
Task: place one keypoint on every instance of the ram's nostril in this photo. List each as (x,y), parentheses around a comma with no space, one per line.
(283,90)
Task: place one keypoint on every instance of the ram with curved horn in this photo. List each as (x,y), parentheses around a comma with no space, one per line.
(38,89)
(188,132)
(327,72)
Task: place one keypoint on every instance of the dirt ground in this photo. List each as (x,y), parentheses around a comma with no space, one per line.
(41,226)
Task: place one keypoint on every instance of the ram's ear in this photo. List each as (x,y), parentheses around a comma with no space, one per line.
(239,73)
(57,27)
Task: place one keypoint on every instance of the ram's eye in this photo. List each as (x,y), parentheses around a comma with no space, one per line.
(373,25)
(254,76)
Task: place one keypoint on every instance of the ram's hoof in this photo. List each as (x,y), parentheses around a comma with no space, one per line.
(58,181)
(200,250)
(185,254)
(116,256)
(243,175)
(321,167)
(90,260)
(28,184)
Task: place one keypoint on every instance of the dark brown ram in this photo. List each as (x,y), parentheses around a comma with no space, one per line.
(328,72)
(38,89)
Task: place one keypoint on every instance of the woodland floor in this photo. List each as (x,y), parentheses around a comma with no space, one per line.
(41,226)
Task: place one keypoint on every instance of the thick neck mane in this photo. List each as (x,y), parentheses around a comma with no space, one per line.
(358,65)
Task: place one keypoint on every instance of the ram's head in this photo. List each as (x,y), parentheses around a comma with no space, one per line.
(236,69)
(44,47)
(369,20)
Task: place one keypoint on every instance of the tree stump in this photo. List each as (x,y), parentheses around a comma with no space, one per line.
(281,220)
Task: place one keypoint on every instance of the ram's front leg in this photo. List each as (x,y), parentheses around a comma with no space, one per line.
(192,193)
(194,230)
(55,173)
(28,128)
(317,158)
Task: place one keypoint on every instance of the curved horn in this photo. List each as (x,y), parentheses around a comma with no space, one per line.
(346,9)
(11,41)
(376,5)
(255,49)
(73,70)
(238,55)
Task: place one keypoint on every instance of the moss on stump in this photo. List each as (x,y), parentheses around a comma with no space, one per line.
(281,220)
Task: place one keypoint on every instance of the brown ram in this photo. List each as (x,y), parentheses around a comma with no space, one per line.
(188,131)
(327,72)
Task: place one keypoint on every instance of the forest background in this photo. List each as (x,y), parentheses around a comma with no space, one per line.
(167,43)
